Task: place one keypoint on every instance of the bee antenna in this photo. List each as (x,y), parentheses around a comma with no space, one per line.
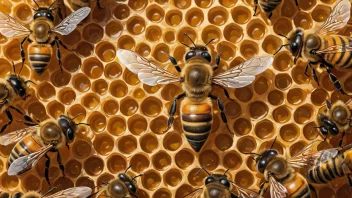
(211,40)
(281,48)
(49,191)
(52,4)
(133,178)
(185,44)
(127,169)
(14,68)
(251,153)
(82,123)
(77,116)
(328,104)
(226,171)
(36,4)
(190,39)
(203,168)
(284,36)
(30,81)
(273,143)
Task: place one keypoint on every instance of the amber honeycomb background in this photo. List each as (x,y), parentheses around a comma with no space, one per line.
(127,118)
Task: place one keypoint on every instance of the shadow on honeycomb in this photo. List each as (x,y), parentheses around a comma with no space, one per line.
(127,118)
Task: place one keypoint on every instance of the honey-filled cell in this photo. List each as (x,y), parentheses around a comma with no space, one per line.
(103,144)
(241,14)
(129,106)
(9,182)
(173,17)
(94,166)
(173,177)
(149,143)
(282,114)
(256,29)
(153,33)
(184,159)
(116,163)
(113,29)
(289,132)
(162,193)
(139,163)
(155,13)
(232,160)
(233,33)
(84,49)
(209,158)
(246,144)
(85,181)
(23,12)
(303,114)
(90,101)
(126,42)
(161,160)
(112,70)
(116,125)
(31,182)
(46,91)
(244,178)
(161,52)
(172,141)
(223,141)
(81,149)
(320,13)
(93,33)
(74,168)
(151,106)
(55,109)
(143,49)
(67,96)
(194,17)
(127,144)
(121,11)
(110,106)
(242,126)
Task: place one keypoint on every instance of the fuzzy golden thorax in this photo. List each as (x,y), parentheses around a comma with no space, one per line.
(51,133)
(279,167)
(340,114)
(41,31)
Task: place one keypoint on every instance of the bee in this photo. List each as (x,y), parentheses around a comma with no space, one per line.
(279,173)
(336,119)
(11,88)
(41,34)
(196,79)
(75,192)
(216,185)
(321,47)
(35,141)
(268,6)
(330,164)
(123,186)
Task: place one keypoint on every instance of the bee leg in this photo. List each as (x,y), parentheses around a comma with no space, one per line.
(47,165)
(270,15)
(58,55)
(255,8)
(173,111)
(227,94)
(314,73)
(217,60)
(26,117)
(99,6)
(349,180)
(312,189)
(306,70)
(222,109)
(23,54)
(341,140)
(336,82)
(9,116)
(173,61)
(59,161)
(296,1)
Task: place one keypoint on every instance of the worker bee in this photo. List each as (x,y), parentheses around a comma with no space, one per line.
(216,185)
(11,88)
(268,6)
(322,48)
(75,192)
(33,142)
(279,173)
(41,34)
(336,119)
(197,80)
(123,186)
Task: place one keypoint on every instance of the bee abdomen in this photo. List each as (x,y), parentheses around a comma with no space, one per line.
(269,5)
(39,57)
(196,123)
(327,171)
(341,59)
(24,147)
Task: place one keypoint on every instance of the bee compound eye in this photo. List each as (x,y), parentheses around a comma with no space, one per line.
(225,182)
(209,180)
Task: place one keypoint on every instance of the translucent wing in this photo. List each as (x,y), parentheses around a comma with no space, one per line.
(310,156)
(75,192)
(70,23)
(16,136)
(346,47)
(25,163)
(246,193)
(244,73)
(147,72)
(9,27)
(337,19)
(195,194)
(277,190)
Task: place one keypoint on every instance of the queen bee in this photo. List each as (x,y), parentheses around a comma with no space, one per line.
(41,34)
(321,47)
(197,79)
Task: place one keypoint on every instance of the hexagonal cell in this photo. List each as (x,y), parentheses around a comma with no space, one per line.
(81,82)
(309,132)
(73,168)
(76,110)
(209,157)
(261,85)
(246,144)
(298,75)
(137,124)
(67,96)
(62,183)
(94,166)
(59,78)
(116,163)
(233,109)
(113,29)
(194,17)
(81,149)
(303,20)
(126,42)
(138,93)
(103,144)
(139,163)
(149,143)
(93,68)
(297,147)
(232,160)
(84,49)
(151,107)
(303,114)
(85,181)
(184,159)
(110,106)
(55,109)
(181,37)
(228,50)
(244,178)
(160,52)
(296,96)
(100,87)
(288,9)
(161,160)
(128,106)
(121,11)
(93,33)
(155,13)
(249,49)
(162,192)
(242,126)
(90,101)
(283,61)
(283,81)
(256,29)
(116,125)
(282,114)
(233,33)
(264,129)
(118,88)
(46,91)
(112,70)
(6,7)
(271,43)
(241,14)
(320,13)
(218,16)
(173,177)
(74,38)
(153,33)
(38,110)
(31,182)
(172,141)
(244,94)
(143,49)
(106,53)
(130,78)
(173,18)
(169,36)
(137,4)
(289,132)
(204,3)
(127,144)
(23,12)
(104,178)
(257,109)
(11,50)
(223,142)
(283,26)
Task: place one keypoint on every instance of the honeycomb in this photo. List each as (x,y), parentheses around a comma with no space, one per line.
(127,118)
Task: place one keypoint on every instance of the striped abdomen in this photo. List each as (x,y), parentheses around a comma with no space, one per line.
(196,122)
(24,147)
(39,56)
(269,5)
(296,186)
(341,60)
(77,4)
(331,169)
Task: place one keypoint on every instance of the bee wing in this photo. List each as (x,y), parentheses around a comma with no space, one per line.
(195,194)
(277,190)
(9,27)
(16,136)
(147,72)
(310,156)
(70,23)
(246,193)
(337,19)
(75,192)
(244,73)
(27,162)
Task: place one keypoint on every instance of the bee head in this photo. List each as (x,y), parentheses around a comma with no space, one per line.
(296,42)
(221,178)
(44,12)
(19,85)
(125,181)
(263,159)
(200,51)
(68,127)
